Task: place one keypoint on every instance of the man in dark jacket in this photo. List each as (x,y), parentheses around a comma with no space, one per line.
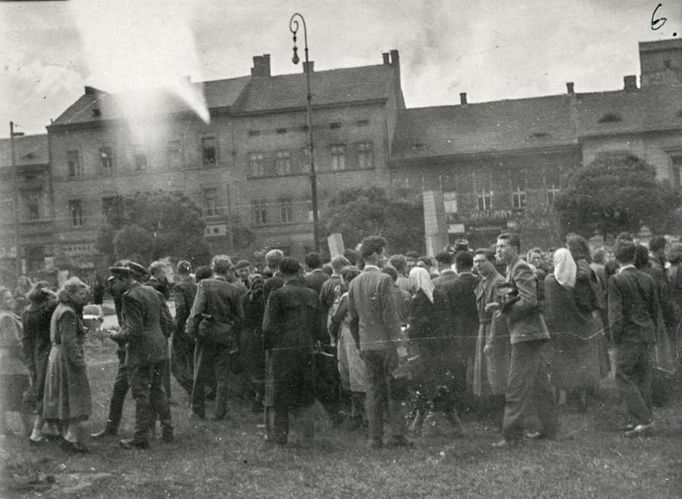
(461,293)
(291,328)
(633,316)
(528,387)
(315,276)
(144,317)
(182,351)
(215,323)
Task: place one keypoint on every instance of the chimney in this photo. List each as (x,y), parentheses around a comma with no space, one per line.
(463,98)
(309,67)
(569,88)
(261,65)
(386,57)
(630,83)
(395,58)
(90,90)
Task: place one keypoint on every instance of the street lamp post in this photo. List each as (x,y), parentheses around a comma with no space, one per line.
(15,187)
(293,27)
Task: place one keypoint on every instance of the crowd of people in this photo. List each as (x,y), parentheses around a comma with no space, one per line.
(400,341)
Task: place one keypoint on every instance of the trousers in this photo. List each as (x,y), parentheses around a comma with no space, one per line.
(382,387)
(633,377)
(210,360)
(119,392)
(146,386)
(529,392)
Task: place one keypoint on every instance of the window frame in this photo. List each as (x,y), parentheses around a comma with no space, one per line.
(337,154)
(76,212)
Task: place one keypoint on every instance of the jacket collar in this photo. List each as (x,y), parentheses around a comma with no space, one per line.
(371,268)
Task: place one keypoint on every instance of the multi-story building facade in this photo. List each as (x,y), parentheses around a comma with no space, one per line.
(31,188)
(495,165)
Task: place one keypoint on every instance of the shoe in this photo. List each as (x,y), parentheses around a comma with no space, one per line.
(505,444)
(533,435)
(130,443)
(74,447)
(640,430)
(37,442)
(399,441)
(108,431)
(257,406)
(627,427)
(375,443)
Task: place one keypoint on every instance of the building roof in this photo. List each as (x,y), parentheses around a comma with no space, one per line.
(653,108)
(97,105)
(28,150)
(334,86)
(249,94)
(484,127)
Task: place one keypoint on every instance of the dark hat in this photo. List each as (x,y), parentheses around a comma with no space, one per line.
(461,245)
(119,271)
(136,269)
(242,264)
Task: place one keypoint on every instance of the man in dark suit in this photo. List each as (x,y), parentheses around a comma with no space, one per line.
(528,388)
(375,325)
(215,323)
(144,316)
(633,315)
(315,276)
(461,293)
(444,260)
(182,351)
(291,328)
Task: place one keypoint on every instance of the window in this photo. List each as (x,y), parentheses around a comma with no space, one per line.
(76,212)
(519,200)
(254,133)
(338,154)
(484,200)
(285,211)
(174,154)
(32,206)
(365,155)
(108,204)
(305,160)
(208,151)
(363,122)
(450,202)
(107,160)
(210,205)
(552,192)
(259,213)
(283,163)
(676,171)
(140,158)
(256,164)
(335,125)
(281,131)
(74,163)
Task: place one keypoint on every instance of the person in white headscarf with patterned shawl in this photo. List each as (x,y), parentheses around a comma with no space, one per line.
(574,331)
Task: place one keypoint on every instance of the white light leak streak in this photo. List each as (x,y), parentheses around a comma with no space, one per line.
(143,50)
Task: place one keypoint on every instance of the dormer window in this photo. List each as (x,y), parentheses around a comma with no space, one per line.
(610,118)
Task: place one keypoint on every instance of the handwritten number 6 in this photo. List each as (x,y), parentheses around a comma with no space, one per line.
(655,22)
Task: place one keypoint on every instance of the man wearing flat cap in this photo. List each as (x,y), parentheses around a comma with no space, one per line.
(143,315)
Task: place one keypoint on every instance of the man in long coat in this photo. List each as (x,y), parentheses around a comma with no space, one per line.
(291,328)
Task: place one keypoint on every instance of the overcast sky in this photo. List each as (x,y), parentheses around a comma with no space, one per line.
(491,49)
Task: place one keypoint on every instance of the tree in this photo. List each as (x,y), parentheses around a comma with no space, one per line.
(612,195)
(151,225)
(357,213)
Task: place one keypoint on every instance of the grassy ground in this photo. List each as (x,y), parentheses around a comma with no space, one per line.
(212,459)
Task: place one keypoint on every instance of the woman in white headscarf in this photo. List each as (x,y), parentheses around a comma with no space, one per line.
(427,328)
(575,331)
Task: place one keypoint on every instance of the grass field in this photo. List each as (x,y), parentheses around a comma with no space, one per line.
(228,459)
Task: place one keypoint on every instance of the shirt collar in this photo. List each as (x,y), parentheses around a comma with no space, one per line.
(627,266)
(371,268)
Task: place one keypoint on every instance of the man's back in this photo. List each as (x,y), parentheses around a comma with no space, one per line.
(372,310)
(633,306)
(141,314)
(315,279)
(218,298)
(442,280)
(292,317)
